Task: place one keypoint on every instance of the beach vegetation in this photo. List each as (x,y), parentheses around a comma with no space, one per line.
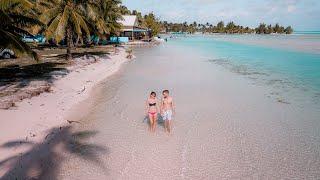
(220,27)
(288,30)
(152,23)
(16,19)
(65,19)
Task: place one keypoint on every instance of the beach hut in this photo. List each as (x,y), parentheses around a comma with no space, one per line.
(131,29)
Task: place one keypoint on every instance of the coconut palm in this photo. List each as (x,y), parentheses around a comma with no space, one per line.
(124,10)
(15,17)
(108,12)
(153,23)
(288,30)
(261,29)
(220,26)
(64,19)
(230,27)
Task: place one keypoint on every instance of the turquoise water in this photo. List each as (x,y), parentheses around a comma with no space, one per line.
(288,71)
(306,32)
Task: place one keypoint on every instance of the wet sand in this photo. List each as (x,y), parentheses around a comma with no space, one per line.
(225,127)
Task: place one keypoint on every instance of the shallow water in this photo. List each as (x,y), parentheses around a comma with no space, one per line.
(288,65)
(226,127)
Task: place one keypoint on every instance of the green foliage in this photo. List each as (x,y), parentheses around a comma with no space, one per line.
(288,30)
(65,18)
(62,15)
(152,23)
(220,27)
(105,16)
(124,10)
(15,15)
(263,29)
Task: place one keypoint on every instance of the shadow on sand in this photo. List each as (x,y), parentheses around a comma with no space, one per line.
(80,54)
(24,74)
(42,160)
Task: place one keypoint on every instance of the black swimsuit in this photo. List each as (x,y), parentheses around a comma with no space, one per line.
(154,104)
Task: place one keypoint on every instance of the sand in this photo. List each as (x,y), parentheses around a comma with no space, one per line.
(34,118)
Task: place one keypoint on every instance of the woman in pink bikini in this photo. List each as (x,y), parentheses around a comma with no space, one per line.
(152,110)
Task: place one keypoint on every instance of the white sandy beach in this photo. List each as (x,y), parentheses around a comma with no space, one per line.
(33,118)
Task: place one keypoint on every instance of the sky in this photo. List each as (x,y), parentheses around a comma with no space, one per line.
(300,14)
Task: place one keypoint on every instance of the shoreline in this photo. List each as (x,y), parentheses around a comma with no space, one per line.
(35,117)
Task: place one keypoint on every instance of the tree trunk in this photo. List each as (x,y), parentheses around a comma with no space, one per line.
(77,42)
(69,43)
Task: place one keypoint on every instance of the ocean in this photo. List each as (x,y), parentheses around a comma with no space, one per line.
(289,65)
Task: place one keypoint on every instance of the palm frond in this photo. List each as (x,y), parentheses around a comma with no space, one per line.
(62,25)
(50,32)
(12,41)
(49,14)
(25,21)
(7,4)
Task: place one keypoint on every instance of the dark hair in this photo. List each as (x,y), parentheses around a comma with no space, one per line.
(153,93)
(165,91)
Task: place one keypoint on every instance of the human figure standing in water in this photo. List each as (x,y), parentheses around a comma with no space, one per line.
(167,110)
(152,111)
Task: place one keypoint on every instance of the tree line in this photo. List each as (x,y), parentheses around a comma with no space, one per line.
(220,27)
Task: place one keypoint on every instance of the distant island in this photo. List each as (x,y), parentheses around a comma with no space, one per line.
(150,21)
(220,27)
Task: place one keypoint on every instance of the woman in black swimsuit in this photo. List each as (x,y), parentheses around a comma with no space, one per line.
(152,110)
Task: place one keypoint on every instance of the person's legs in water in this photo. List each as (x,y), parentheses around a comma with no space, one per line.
(169,126)
(167,120)
(155,118)
(151,122)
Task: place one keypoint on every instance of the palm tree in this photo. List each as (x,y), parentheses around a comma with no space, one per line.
(220,26)
(109,12)
(230,27)
(152,23)
(269,29)
(15,15)
(64,19)
(276,28)
(261,29)
(124,10)
(288,30)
